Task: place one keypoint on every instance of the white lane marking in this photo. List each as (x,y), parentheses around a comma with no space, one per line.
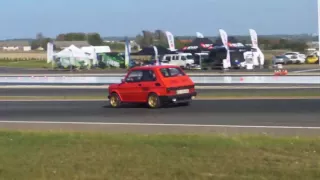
(151,124)
(196,99)
(307,70)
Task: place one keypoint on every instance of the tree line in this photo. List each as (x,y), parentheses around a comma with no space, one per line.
(93,39)
(293,45)
(158,37)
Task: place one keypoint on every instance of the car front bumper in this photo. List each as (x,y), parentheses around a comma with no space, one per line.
(178,98)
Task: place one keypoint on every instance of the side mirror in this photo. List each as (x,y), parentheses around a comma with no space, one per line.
(122,81)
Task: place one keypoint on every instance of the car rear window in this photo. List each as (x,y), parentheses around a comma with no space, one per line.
(171,72)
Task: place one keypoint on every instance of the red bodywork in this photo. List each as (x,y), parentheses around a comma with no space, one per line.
(130,90)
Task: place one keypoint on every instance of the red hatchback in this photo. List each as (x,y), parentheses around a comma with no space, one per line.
(154,85)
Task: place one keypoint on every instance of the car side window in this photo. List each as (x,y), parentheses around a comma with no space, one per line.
(148,75)
(134,76)
(183,58)
(171,72)
(168,58)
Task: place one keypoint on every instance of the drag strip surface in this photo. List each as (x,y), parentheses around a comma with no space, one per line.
(104,91)
(220,112)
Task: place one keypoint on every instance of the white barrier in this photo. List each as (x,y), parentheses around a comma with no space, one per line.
(197,80)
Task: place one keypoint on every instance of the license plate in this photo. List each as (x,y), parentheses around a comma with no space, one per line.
(183,91)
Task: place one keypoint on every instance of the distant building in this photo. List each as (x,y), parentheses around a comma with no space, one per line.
(65,44)
(15,46)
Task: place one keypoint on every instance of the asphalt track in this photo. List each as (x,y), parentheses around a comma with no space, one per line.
(207,115)
(103,91)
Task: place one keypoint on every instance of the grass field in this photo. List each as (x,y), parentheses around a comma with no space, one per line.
(65,156)
(25,63)
(23,55)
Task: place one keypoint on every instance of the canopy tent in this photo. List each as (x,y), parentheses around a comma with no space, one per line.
(73,56)
(92,53)
(198,45)
(97,49)
(232,43)
(241,52)
(218,53)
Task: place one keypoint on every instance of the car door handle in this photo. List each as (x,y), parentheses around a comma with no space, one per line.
(139,84)
(158,84)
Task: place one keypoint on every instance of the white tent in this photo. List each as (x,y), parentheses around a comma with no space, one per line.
(98,49)
(73,55)
(91,51)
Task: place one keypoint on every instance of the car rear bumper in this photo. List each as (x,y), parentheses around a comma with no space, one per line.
(178,98)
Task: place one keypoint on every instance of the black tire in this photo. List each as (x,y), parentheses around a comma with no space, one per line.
(115,100)
(154,101)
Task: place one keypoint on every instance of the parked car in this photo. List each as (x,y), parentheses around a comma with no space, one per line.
(281,59)
(312,58)
(154,85)
(296,57)
(184,60)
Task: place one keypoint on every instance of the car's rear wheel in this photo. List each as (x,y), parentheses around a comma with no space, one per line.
(115,100)
(154,101)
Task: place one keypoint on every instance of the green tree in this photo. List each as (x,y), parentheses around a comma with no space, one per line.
(178,43)
(95,39)
(115,46)
(72,37)
(44,43)
(40,41)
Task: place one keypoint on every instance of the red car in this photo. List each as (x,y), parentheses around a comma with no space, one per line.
(154,85)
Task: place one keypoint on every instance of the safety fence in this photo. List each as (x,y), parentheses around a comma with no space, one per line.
(29,80)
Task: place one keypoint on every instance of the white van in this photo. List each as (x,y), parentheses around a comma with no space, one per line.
(184,60)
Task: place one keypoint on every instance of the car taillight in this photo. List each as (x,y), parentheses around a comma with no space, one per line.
(171,91)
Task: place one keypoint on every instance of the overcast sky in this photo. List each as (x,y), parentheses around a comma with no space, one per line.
(24,18)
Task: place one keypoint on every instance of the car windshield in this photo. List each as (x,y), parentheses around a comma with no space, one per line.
(171,72)
(189,57)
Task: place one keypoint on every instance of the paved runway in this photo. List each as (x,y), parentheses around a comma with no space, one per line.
(225,112)
(103,92)
(275,117)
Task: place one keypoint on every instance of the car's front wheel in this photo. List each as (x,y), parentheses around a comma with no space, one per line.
(115,100)
(154,100)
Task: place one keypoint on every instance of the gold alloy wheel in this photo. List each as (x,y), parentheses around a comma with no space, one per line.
(152,101)
(113,101)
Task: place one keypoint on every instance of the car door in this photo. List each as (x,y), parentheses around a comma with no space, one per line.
(130,90)
(182,61)
(149,83)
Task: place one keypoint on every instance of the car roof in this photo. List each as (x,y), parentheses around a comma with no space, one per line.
(153,67)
